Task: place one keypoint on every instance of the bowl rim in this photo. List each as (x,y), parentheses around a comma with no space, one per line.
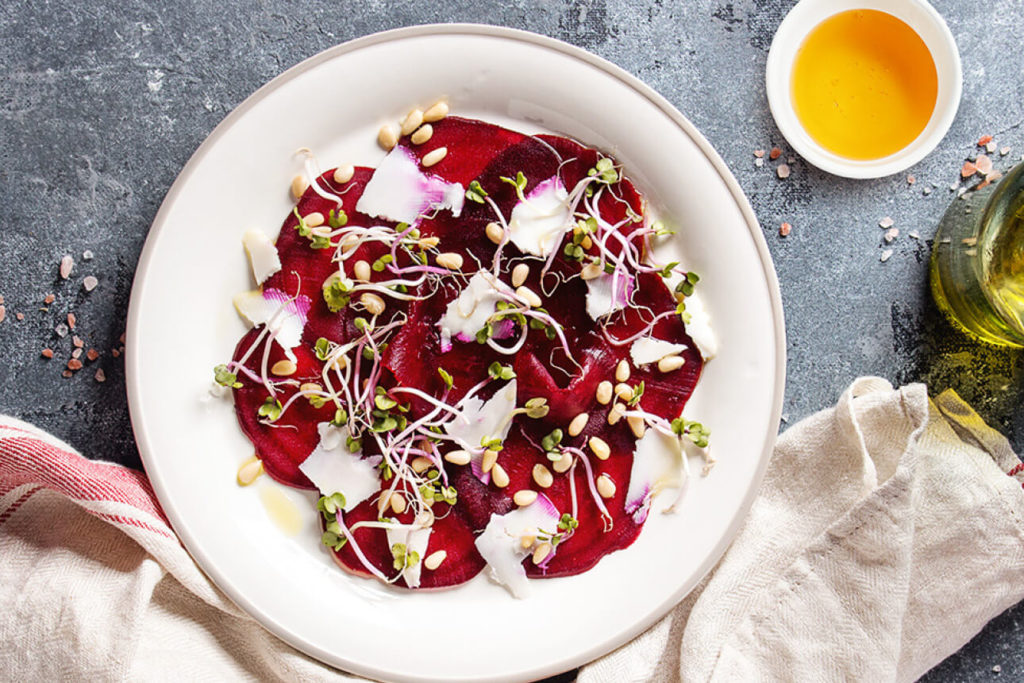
(925,20)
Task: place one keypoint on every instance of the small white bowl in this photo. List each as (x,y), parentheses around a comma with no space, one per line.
(917,14)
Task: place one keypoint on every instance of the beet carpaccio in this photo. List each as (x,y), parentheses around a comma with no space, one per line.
(472,356)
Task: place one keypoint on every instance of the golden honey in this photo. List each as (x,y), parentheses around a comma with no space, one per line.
(864,84)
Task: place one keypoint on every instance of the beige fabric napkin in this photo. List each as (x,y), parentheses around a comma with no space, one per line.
(886,535)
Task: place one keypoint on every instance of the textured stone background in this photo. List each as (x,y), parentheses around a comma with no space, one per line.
(102,102)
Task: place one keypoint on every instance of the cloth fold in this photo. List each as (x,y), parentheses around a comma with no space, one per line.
(886,534)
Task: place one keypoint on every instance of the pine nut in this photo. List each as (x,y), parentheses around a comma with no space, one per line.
(422,134)
(622,370)
(387,138)
(398,503)
(299,186)
(421,464)
(599,447)
(488,461)
(313,220)
(591,271)
(457,457)
(542,475)
(428,242)
(495,232)
(670,363)
(624,391)
(541,553)
(250,470)
(604,393)
(362,271)
(339,363)
(383,502)
(283,368)
(636,424)
(412,121)
(527,541)
(436,111)
(605,486)
(563,464)
(450,260)
(434,560)
(434,157)
(321,230)
(577,424)
(519,274)
(616,413)
(499,476)
(344,173)
(529,296)
(349,243)
(524,497)
(310,386)
(373,303)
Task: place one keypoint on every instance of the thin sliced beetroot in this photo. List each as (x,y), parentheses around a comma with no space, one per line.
(486,153)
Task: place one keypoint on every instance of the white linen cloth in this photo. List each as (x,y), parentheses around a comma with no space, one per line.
(886,534)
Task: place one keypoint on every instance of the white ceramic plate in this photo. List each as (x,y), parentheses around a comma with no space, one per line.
(181,323)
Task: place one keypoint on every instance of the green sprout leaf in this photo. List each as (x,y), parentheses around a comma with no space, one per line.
(568,522)
(270,409)
(337,219)
(448,381)
(322,348)
(498,371)
(476,193)
(226,378)
(340,418)
(694,431)
(336,292)
(537,408)
(638,391)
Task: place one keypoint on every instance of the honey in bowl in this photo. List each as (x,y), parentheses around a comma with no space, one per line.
(864,84)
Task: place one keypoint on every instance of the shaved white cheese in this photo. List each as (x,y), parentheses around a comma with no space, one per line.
(699,327)
(502,549)
(480,420)
(415,540)
(469,311)
(285,316)
(263,256)
(602,299)
(333,468)
(538,223)
(650,350)
(399,191)
(654,461)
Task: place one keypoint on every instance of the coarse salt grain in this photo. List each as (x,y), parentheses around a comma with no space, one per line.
(19,316)
(66,264)
(77,353)
(87,255)
(90,282)
(1003,151)
(759,162)
(47,353)
(100,375)
(775,153)
(891,234)
(92,354)
(785,229)
(77,342)
(61,329)
(3,313)
(71,320)
(783,171)
(984,140)
(74,364)
(911,180)
(990,147)
(983,164)
(915,234)
(758,153)
(886,255)
(886,223)
(49,299)
(968,169)
(66,373)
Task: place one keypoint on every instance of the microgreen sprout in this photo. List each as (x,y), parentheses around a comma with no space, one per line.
(537,408)
(403,558)
(568,522)
(336,290)
(519,182)
(446,378)
(271,409)
(329,507)
(604,171)
(499,371)
(491,443)
(340,418)
(304,230)
(667,270)
(550,442)
(337,218)
(226,378)
(476,193)
(638,392)
(685,286)
(694,431)
(322,348)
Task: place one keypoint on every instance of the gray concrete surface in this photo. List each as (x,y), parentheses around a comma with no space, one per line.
(102,102)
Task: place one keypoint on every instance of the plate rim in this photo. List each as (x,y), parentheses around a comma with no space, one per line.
(132,370)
